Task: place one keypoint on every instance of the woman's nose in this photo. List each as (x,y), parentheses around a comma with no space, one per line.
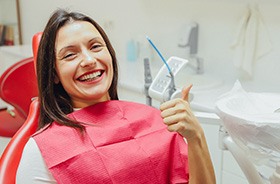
(88,59)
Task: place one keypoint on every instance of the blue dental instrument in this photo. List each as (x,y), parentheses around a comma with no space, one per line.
(162,58)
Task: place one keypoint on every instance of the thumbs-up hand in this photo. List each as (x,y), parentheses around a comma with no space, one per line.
(178,117)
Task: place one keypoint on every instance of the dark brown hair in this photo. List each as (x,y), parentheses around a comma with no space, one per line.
(55,103)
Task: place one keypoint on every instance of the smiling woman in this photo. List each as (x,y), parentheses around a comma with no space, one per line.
(88,135)
(77,45)
(83,64)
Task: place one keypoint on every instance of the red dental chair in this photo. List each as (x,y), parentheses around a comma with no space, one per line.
(12,153)
(17,87)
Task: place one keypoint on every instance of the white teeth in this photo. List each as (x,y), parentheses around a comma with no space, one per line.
(90,76)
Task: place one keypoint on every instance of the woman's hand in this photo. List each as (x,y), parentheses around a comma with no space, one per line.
(178,117)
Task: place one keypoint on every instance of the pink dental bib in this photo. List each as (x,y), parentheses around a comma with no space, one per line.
(124,142)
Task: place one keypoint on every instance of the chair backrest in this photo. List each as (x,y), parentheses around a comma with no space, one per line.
(18,85)
(12,154)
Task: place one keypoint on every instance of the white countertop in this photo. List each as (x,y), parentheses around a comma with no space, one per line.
(23,51)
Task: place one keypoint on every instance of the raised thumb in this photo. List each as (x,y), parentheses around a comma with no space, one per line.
(185,92)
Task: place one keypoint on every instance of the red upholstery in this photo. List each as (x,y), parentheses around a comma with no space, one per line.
(18,85)
(12,153)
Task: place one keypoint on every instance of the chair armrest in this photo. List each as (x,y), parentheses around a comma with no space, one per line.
(12,153)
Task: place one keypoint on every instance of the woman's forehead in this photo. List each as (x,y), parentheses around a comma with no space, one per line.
(76,32)
(76,29)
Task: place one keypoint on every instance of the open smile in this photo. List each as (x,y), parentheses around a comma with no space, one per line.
(91,76)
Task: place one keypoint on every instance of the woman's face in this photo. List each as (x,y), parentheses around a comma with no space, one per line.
(83,63)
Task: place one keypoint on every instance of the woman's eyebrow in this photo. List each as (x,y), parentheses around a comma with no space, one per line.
(64,48)
(97,39)
(60,52)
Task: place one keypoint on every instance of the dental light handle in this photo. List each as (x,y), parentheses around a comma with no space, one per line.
(163,86)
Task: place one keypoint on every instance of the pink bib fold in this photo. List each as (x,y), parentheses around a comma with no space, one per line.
(124,142)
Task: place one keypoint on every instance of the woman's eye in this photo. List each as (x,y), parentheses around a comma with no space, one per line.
(69,56)
(96,47)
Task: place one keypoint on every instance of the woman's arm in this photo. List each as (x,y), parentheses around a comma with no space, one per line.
(32,168)
(178,117)
(200,164)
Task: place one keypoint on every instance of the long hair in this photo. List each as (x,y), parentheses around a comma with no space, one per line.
(55,103)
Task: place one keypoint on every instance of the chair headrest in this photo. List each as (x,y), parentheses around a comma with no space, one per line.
(35,45)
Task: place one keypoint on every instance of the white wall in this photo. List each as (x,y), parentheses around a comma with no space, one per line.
(162,20)
(8,17)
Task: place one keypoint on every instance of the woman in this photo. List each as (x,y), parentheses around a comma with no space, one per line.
(87,135)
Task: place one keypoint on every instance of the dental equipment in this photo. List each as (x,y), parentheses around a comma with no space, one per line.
(148,81)
(172,87)
(160,55)
(160,87)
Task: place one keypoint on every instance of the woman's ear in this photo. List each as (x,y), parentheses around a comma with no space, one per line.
(56,79)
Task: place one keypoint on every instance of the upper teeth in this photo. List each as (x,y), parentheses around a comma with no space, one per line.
(90,76)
